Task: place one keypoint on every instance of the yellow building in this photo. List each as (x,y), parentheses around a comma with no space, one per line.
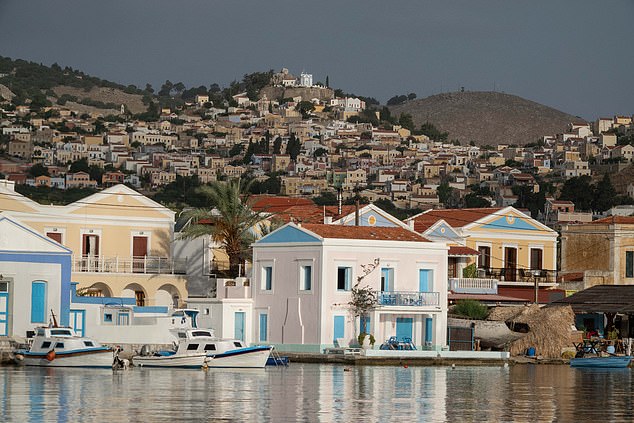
(512,247)
(120,239)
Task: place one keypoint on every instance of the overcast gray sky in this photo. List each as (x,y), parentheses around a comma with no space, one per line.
(577,56)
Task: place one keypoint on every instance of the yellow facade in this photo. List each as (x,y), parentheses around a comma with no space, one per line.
(121,242)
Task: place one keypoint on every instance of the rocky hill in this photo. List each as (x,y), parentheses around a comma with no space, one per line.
(486,117)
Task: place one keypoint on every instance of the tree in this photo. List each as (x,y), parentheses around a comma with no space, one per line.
(406,121)
(277,145)
(38,170)
(305,107)
(363,298)
(80,165)
(320,152)
(230,223)
(293,147)
(444,192)
(604,194)
(474,201)
(578,190)
(327,82)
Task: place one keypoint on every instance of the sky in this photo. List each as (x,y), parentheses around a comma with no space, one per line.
(576,56)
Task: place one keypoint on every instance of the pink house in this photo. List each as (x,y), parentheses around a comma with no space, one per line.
(303,276)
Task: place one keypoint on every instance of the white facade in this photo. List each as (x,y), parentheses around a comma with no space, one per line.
(306,79)
(302,286)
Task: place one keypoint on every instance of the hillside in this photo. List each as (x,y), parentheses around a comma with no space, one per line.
(486,117)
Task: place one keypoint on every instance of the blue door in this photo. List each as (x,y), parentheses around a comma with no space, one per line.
(239,325)
(424,280)
(364,324)
(340,326)
(38,302)
(429,331)
(264,320)
(404,327)
(4,308)
(78,321)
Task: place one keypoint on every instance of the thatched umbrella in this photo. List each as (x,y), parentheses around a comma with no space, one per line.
(548,329)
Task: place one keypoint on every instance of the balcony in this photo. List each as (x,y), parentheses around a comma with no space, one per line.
(408,298)
(142,265)
(473,286)
(513,276)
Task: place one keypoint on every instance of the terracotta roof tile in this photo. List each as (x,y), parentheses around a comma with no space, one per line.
(313,213)
(458,250)
(273,204)
(622,220)
(365,232)
(456,218)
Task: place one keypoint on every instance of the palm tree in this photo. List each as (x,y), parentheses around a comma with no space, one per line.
(231,223)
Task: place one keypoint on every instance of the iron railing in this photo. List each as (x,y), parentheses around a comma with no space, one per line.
(408,298)
(147,264)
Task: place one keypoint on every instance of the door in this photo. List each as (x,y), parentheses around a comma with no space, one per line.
(404,326)
(90,252)
(4,308)
(510,263)
(139,252)
(264,319)
(123,319)
(339,329)
(38,302)
(239,325)
(424,280)
(78,321)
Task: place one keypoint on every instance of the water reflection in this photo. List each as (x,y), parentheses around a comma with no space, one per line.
(317,393)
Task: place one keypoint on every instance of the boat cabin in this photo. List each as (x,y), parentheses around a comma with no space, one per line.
(60,339)
(203,340)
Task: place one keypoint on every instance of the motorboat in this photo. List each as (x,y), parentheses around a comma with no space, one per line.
(613,361)
(62,347)
(198,348)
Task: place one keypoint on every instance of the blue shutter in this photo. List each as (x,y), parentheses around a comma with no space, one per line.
(364,324)
(38,302)
(264,318)
(424,280)
(629,264)
(348,278)
(429,329)
(339,329)
(268,278)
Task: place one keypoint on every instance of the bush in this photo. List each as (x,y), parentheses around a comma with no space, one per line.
(471,271)
(472,309)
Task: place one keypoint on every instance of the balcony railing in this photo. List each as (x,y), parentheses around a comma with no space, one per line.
(408,298)
(510,274)
(473,286)
(148,265)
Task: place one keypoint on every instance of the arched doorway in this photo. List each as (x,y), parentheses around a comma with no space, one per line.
(136,291)
(168,295)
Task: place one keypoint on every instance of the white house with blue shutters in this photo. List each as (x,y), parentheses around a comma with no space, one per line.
(303,276)
(34,279)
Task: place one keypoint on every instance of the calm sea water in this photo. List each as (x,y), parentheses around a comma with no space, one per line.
(311,392)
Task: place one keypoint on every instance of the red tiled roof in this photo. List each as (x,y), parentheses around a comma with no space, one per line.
(275,204)
(622,220)
(365,232)
(485,297)
(456,218)
(313,213)
(457,250)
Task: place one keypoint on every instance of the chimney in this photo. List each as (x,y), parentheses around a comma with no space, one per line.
(327,220)
(410,223)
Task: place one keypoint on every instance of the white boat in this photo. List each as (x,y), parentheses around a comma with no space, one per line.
(61,347)
(199,347)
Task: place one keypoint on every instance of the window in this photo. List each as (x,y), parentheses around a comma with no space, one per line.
(484,257)
(107,317)
(46,344)
(629,264)
(59,345)
(387,279)
(305,278)
(344,278)
(536,258)
(140,298)
(192,347)
(210,347)
(267,278)
(89,344)
(237,344)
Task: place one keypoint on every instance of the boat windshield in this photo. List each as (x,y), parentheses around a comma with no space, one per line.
(201,333)
(61,332)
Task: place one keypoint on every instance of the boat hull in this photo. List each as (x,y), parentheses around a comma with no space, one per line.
(192,361)
(251,357)
(601,362)
(101,358)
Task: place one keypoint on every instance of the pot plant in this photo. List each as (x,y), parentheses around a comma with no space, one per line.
(366,340)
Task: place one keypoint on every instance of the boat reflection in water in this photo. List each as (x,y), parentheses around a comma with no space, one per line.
(312,392)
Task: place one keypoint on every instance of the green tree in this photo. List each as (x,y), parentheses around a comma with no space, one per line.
(305,107)
(474,201)
(604,194)
(277,145)
(230,223)
(293,147)
(406,121)
(578,190)
(38,170)
(444,192)
(80,165)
